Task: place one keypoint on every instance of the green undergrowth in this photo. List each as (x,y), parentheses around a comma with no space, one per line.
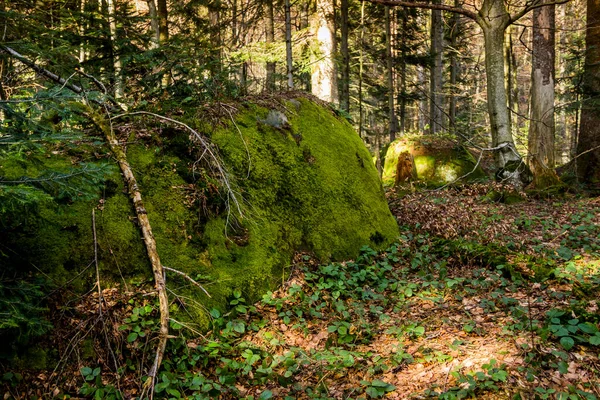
(358,303)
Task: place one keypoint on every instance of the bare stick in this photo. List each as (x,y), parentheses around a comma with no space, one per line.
(189,278)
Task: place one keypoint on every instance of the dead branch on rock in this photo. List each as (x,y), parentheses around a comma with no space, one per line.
(208,149)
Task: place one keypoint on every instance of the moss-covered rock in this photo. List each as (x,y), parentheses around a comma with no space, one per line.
(307,185)
(438,160)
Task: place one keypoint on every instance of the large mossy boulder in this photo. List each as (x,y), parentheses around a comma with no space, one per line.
(438,160)
(306,184)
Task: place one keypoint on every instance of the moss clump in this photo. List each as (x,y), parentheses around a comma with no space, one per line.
(310,186)
(438,160)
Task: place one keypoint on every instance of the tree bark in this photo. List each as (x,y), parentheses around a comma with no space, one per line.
(402,88)
(454,32)
(288,45)
(270,39)
(154,25)
(361,119)
(345,73)
(393,121)
(588,146)
(436,123)
(324,74)
(541,125)
(214,15)
(117,63)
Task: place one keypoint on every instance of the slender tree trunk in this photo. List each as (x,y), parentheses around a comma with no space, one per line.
(288,45)
(393,121)
(361,46)
(436,123)
(214,15)
(345,73)
(270,36)
(163,37)
(454,32)
(154,25)
(423,103)
(512,90)
(541,125)
(324,74)
(117,63)
(81,28)
(402,89)
(588,146)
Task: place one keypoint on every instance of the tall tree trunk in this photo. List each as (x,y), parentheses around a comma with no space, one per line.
(541,125)
(324,74)
(402,88)
(81,29)
(512,89)
(154,25)
(436,123)
(270,39)
(454,32)
(345,73)
(214,15)
(423,103)
(163,37)
(393,121)
(361,46)
(588,146)
(117,63)
(288,45)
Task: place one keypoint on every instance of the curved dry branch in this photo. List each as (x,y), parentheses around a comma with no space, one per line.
(231,195)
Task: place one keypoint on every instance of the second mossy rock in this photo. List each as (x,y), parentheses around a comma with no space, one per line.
(437,160)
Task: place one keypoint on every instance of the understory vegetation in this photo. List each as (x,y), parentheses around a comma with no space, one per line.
(501,305)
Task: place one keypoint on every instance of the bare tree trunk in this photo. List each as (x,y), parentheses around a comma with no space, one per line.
(163,38)
(512,90)
(117,63)
(361,118)
(402,88)
(423,103)
(81,28)
(541,125)
(288,45)
(270,36)
(393,121)
(155,42)
(454,31)
(324,74)
(214,14)
(436,123)
(345,73)
(588,146)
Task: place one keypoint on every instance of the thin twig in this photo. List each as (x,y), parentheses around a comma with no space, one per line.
(186,276)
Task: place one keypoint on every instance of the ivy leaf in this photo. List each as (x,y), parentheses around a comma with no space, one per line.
(132,337)
(567,342)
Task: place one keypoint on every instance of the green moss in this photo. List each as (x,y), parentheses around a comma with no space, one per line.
(438,160)
(309,186)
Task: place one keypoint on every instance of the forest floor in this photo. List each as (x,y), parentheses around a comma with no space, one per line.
(477,299)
